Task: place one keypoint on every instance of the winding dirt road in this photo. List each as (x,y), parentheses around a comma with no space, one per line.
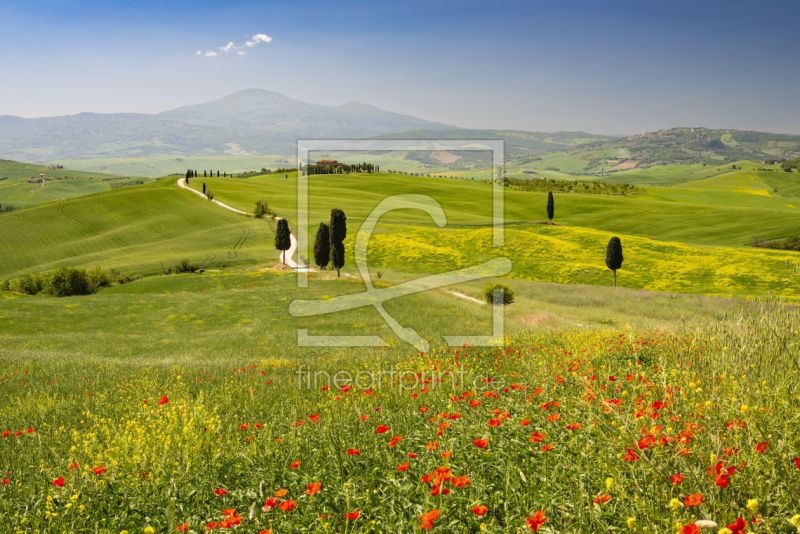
(289,253)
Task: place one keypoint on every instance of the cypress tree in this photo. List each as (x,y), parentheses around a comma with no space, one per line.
(551,207)
(283,239)
(204,173)
(322,246)
(204,188)
(217,174)
(338,231)
(614,256)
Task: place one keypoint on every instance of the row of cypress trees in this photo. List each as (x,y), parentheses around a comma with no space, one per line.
(328,243)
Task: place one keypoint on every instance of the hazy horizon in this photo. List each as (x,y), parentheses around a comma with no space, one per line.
(617,69)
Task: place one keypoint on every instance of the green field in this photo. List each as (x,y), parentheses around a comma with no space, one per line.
(58,184)
(138,229)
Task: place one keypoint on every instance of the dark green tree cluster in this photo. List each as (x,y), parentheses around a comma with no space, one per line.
(261,209)
(322,246)
(572,186)
(341,168)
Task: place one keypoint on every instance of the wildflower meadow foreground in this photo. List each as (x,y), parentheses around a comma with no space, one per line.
(583,431)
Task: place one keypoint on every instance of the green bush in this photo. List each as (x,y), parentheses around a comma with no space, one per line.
(262,209)
(30,284)
(5,285)
(508,293)
(98,278)
(68,281)
(185,267)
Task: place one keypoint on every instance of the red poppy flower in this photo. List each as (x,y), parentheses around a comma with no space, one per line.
(481,443)
(352,516)
(287,505)
(363,417)
(314,417)
(691,528)
(395,440)
(353,452)
(221,491)
(17,433)
(426,478)
(554,417)
(479,510)
(403,467)
(6,433)
(537,437)
(182,528)
(722,481)
(574,426)
(525,422)
(460,482)
(211,526)
(677,479)
(412,455)
(428,519)
(381,429)
(495,422)
(694,500)
(269,504)
(294,465)
(631,456)
(738,527)
(312,489)
(31,430)
(432,446)
(164,400)
(474,403)
(59,482)
(761,447)
(537,520)
(5,481)
(281,492)
(99,470)
(229,512)
(547,447)
(602,498)
(796,462)
(72,466)
(447,454)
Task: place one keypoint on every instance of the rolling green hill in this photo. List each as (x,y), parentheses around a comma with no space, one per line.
(56,184)
(699,216)
(136,229)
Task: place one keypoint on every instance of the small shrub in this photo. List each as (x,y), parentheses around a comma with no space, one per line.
(5,285)
(30,284)
(209,194)
(508,293)
(262,209)
(185,267)
(68,281)
(98,278)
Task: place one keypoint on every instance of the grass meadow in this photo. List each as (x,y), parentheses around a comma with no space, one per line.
(178,404)
(184,403)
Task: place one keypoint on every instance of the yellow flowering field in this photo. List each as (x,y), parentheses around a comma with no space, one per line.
(574,255)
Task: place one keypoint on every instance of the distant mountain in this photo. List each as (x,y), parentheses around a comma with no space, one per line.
(248,122)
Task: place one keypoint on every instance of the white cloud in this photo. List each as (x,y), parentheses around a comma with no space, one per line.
(258,38)
(239,49)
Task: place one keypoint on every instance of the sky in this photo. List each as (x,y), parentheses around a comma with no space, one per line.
(611,67)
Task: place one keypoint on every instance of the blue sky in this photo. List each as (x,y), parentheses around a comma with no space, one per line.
(614,67)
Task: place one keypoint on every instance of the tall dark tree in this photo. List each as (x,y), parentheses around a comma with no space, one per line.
(217,174)
(322,246)
(204,188)
(614,256)
(338,231)
(283,238)
(551,207)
